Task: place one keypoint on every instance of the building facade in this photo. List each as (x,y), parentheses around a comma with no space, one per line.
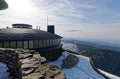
(23,36)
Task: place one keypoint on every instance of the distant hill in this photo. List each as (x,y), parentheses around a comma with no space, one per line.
(95,43)
(3,4)
(105,57)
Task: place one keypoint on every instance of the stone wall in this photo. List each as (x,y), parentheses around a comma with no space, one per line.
(9,57)
(28,64)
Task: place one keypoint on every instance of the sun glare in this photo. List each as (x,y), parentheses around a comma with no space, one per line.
(23,6)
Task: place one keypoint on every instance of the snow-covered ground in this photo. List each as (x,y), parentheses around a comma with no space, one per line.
(3,71)
(73,47)
(83,69)
(111,76)
(70,47)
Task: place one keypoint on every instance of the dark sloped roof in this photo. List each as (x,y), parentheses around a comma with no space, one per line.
(21,24)
(25,34)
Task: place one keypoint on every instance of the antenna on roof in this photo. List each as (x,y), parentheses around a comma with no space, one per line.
(47,20)
(7,27)
(39,27)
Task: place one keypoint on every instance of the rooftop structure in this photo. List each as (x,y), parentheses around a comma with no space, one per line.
(22,26)
(23,36)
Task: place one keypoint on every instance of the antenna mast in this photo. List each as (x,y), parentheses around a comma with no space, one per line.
(47,20)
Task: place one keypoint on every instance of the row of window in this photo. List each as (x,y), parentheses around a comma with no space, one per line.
(30,44)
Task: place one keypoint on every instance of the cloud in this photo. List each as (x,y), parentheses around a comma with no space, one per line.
(74,30)
(65,12)
(78,18)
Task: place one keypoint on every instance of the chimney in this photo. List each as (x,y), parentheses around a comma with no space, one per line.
(51,29)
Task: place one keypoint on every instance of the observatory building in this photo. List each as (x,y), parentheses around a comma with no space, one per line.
(23,36)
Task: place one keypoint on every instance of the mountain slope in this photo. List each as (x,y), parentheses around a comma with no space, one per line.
(83,69)
(103,59)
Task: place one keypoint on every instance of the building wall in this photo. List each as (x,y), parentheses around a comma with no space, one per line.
(51,55)
(30,44)
(51,49)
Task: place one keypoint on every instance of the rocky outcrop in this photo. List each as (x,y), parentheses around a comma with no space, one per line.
(3,4)
(106,58)
(107,61)
(9,57)
(70,61)
(28,64)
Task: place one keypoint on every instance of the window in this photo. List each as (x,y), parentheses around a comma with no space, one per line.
(36,44)
(0,44)
(25,44)
(53,41)
(40,43)
(13,44)
(44,43)
(50,42)
(30,44)
(6,44)
(47,43)
(59,41)
(19,44)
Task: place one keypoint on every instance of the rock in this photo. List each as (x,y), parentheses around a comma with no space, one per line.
(27,64)
(27,71)
(25,55)
(70,61)
(33,76)
(60,76)
(37,57)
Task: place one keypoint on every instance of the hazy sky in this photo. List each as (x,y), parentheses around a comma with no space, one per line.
(93,19)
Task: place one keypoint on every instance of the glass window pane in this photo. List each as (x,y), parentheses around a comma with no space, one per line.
(36,44)
(50,42)
(57,41)
(40,43)
(53,42)
(25,44)
(30,44)
(19,44)
(47,43)
(6,44)
(0,44)
(44,43)
(13,44)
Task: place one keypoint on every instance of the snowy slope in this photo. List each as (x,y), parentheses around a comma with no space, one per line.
(73,47)
(70,46)
(3,71)
(111,76)
(83,70)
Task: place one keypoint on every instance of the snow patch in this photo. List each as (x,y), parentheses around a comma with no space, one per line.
(73,48)
(83,70)
(3,71)
(70,47)
(111,76)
